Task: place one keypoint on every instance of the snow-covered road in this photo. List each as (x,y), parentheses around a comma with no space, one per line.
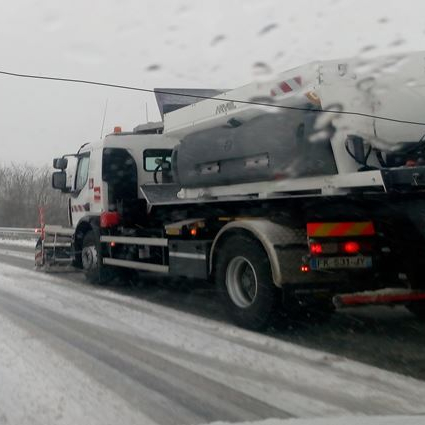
(71,352)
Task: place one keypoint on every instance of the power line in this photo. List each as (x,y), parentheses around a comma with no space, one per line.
(222,99)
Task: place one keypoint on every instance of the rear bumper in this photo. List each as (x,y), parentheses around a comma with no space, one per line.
(382,296)
(350,292)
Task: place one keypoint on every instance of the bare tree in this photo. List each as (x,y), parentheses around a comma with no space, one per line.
(23,190)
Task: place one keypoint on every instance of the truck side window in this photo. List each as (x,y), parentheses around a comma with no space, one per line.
(82,172)
(151,155)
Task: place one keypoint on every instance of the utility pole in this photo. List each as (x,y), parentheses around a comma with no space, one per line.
(103,121)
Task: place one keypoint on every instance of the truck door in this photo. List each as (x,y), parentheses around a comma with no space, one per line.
(119,171)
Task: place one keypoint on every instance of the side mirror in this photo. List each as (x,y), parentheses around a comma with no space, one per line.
(60,163)
(356,149)
(59,181)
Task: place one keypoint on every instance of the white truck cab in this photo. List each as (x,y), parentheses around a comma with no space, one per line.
(103,174)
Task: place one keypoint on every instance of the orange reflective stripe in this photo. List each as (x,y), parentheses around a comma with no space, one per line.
(320,229)
(369,229)
(312,228)
(338,229)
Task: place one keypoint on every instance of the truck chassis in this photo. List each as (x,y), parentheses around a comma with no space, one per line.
(259,249)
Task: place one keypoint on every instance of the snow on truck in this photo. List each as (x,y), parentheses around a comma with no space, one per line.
(305,190)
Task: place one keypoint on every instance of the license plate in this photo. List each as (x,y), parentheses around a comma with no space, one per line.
(322,263)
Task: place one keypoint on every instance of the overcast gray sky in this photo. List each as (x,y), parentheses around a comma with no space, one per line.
(166,43)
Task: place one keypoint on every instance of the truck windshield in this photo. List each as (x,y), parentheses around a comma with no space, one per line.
(82,172)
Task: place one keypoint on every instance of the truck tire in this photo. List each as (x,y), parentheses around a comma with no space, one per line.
(244,282)
(417,308)
(93,269)
(414,275)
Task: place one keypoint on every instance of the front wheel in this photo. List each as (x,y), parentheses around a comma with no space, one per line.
(244,282)
(94,270)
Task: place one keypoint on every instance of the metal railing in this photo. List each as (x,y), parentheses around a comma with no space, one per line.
(20,231)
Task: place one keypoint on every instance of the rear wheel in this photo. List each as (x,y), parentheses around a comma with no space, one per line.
(415,276)
(244,282)
(94,270)
(417,308)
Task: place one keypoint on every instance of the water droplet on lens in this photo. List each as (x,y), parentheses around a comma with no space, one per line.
(366,84)
(268,28)
(319,136)
(182,9)
(261,68)
(411,83)
(363,67)
(219,38)
(367,48)
(398,42)
(153,67)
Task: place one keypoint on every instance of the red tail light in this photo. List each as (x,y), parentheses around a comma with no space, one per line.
(109,219)
(351,247)
(316,248)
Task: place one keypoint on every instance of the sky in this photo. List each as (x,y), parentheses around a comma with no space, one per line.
(166,43)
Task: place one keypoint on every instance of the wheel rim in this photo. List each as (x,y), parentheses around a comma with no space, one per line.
(241,282)
(89,257)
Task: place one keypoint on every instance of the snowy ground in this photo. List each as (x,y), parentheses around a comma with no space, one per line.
(29,243)
(343,420)
(71,352)
(17,253)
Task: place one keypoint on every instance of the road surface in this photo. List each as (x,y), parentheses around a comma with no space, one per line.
(160,353)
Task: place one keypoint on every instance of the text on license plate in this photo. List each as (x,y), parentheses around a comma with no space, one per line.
(341,263)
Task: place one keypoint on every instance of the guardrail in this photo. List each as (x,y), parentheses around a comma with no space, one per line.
(20,231)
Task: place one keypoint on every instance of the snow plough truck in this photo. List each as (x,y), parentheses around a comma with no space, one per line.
(307,190)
